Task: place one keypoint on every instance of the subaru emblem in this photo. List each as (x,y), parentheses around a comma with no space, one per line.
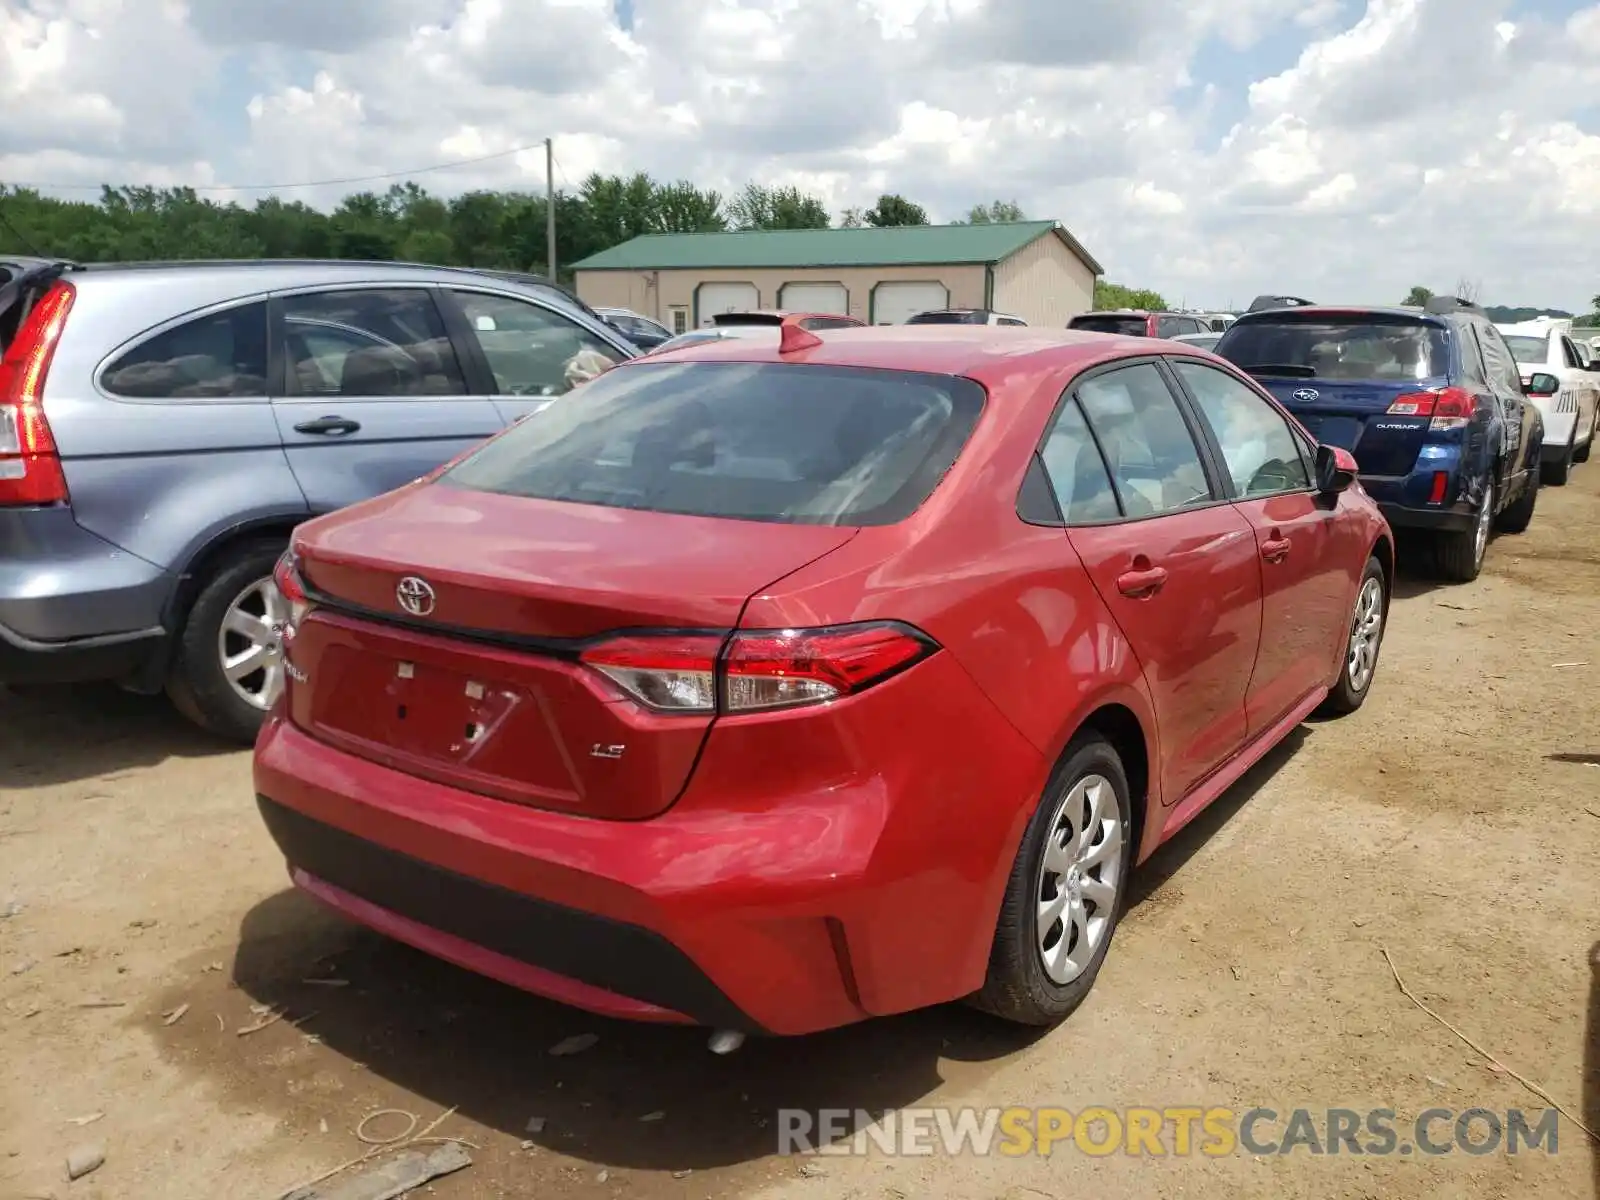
(1307,395)
(415,595)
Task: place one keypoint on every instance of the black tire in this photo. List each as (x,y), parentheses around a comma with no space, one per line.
(1346,697)
(1581,453)
(196,685)
(1518,515)
(1017,988)
(1455,555)
(1557,473)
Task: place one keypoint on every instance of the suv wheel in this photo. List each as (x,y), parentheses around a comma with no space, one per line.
(228,670)
(1066,891)
(1518,515)
(1460,555)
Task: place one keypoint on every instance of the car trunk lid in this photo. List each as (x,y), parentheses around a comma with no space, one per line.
(462,665)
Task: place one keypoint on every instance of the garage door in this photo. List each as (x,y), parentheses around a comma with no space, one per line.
(897,303)
(714,298)
(815,298)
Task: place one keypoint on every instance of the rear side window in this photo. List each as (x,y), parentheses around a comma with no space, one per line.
(775,442)
(1127,326)
(1147,446)
(217,356)
(1356,346)
(1076,471)
(378,342)
(1534,351)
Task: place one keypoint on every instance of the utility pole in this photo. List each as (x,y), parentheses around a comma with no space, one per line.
(550,206)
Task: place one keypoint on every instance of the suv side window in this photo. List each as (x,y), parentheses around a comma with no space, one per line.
(1076,471)
(1471,356)
(1504,374)
(531,350)
(1263,455)
(221,355)
(1148,449)
(1571,352)
(369,342)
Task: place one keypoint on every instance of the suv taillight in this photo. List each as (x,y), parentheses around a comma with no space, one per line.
(1450,407)
(756,670)
(30,468)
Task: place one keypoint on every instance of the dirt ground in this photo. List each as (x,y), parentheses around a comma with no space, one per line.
(1454,821)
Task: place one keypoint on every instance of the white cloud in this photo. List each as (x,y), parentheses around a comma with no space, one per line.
(1408,141)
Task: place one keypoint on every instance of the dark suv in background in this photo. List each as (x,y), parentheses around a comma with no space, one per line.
(1429,401)
(1140,324)
(164,427)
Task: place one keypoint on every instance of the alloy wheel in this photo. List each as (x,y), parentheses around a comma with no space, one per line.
(1079,879)
(250,643)
(1366,632)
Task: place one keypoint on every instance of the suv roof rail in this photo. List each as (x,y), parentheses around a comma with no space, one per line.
(1262,303)
(1439,305)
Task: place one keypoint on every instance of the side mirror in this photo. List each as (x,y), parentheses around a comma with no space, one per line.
(1336,469)
(1542,383)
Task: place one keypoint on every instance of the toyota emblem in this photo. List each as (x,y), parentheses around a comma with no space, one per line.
(415,595)
(1307,395)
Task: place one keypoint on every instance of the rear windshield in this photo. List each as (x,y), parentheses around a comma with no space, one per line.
(778,442)
(947,318)
(1533,351)
(1358,346)
(1127,326)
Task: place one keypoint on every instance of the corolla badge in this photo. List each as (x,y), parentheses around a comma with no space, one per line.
(415,595)
(1307,395)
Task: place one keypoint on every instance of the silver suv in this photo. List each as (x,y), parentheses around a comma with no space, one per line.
(163,428)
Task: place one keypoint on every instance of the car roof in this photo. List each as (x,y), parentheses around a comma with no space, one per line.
(982,352)
(1300,312)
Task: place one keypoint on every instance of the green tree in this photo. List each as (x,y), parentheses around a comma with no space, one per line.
(895,210)
(761,207)
(1417,297)
(999,212)
(683,208)
(1115,295)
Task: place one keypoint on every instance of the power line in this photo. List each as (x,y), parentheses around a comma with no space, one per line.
(26,242)
(312,183)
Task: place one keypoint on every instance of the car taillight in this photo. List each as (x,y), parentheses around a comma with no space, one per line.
(1449,407)
(30,467)
(756,670)
(290,585)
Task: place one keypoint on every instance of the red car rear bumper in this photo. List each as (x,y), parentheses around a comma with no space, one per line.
(811,893)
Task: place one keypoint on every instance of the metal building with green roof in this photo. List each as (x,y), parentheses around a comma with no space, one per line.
(1033,269)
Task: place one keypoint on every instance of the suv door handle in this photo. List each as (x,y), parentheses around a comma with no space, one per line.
(1275,550)
(335,426)
(1142,583)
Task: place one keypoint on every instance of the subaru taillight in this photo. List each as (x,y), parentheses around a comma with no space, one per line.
(756,670)
(30,467)
(1448,407)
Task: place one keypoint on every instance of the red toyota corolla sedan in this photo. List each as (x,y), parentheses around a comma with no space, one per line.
(777,685)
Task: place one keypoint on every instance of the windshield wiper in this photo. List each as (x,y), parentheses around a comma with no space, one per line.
(1292,369)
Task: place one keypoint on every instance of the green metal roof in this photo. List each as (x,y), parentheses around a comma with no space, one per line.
(900,246)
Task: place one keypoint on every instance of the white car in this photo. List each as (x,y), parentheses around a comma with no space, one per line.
(1201,341)
(1544,346)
